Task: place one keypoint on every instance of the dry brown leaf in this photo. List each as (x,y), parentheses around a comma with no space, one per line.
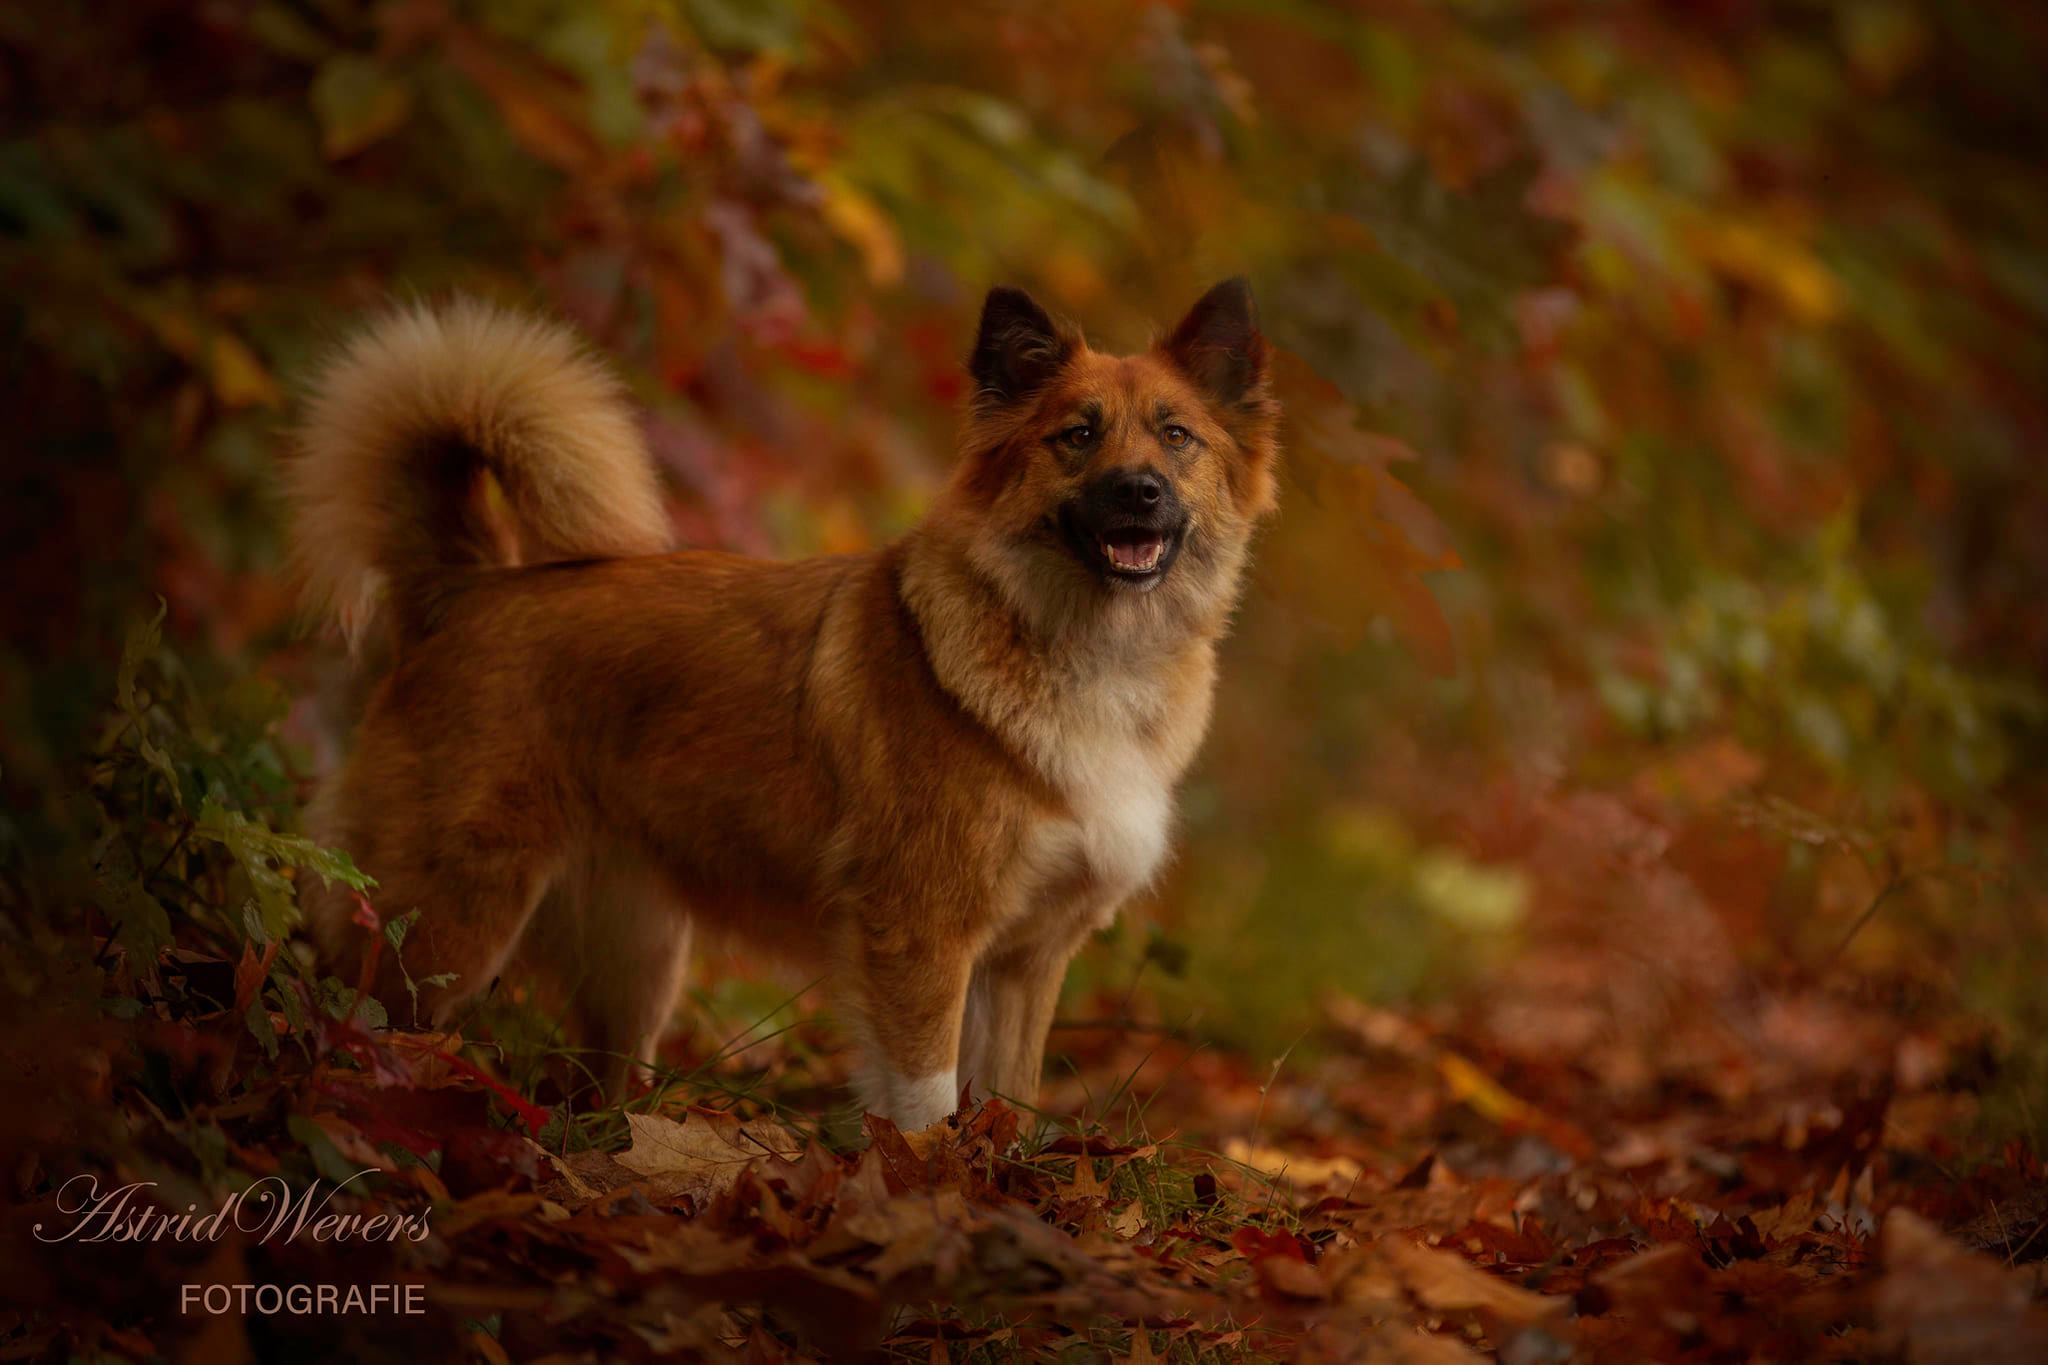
(1295,1168)
(1085,1184)
(913,1230)
(1447,1282)
(1295,1279)
(1128,1221)
(573,1185)
(704,1154)
(1951,1304)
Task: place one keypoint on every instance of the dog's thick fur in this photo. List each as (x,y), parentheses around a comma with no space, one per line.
(928,771)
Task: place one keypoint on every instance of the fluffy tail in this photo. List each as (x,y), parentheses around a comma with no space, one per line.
(412,423)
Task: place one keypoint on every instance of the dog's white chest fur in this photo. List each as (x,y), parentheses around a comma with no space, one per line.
(1109,717)
(1099,749)
(1121,817)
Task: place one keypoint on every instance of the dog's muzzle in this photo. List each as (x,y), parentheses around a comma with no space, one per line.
(1127,526)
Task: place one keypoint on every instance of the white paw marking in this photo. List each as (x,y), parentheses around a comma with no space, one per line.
(923,1101)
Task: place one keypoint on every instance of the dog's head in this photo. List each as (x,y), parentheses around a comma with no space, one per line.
(1095,479)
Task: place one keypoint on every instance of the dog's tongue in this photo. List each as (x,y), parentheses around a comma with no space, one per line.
(1134,551)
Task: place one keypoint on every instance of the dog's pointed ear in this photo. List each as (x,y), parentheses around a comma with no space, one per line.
(1017,349)
(1219,345)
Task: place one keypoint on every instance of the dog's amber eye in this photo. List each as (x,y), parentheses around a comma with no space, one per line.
(1078,435)
(1176,436)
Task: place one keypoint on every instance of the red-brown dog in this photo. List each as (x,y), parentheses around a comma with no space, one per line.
(930,770)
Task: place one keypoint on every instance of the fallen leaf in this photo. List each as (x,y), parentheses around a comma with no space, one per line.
(1947,1303)
(1294,1167)
(1448,1283)
(705,1153)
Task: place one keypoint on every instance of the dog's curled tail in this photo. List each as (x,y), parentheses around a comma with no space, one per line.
(409,427)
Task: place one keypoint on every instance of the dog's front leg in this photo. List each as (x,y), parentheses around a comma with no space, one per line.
(907,991)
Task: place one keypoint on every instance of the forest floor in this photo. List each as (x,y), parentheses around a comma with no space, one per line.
(1767,1172)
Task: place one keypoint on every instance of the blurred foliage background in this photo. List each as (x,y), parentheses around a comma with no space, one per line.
(1654,614)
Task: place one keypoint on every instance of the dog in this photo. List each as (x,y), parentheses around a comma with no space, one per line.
(928,772)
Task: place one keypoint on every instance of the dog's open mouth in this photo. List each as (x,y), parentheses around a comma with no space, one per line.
(1125,551)
(1133,550)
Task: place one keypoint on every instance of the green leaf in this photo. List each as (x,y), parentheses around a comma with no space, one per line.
(142,643)
(342,1001)
(396,928)
(141,924)
(358,102)
(261,851)
(295,1013)
(258,1019)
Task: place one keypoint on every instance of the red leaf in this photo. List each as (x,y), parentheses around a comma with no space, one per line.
(1256,1246)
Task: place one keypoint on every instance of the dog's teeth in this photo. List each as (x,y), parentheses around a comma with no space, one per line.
(1134,559)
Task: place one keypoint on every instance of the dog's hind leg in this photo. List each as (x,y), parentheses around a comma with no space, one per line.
(473,911)
(475,884)
(632,956)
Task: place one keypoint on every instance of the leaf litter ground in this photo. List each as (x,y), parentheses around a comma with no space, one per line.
(1430,1185)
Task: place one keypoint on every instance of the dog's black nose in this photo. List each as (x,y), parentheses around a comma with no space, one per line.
(1139,491)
